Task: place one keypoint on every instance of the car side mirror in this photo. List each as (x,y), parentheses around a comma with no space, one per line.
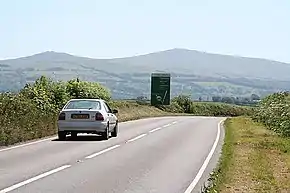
(115,111)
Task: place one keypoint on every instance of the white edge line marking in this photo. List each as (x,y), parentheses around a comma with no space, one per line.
(101,152)
(138,137)
(26,144)
(34,179)
(153,130)
(206,162)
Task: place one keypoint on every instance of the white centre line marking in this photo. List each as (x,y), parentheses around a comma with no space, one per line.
(34,179)
(153,130)
(206,162)
(158,128)
(101,152)
(167,125)
(138,137)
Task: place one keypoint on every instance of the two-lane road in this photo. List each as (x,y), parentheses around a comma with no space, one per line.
(166,155)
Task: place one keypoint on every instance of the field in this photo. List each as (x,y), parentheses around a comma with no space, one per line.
(227,88)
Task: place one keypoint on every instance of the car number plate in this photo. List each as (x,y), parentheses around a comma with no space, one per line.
(79,116)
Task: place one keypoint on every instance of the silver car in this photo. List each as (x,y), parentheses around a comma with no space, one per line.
(87,116)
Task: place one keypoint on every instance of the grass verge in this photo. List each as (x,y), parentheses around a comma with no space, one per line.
(253,159)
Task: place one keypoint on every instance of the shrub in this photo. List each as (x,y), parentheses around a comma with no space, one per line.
(32,112)
(174,107)
(217,109)
(83,89)
(21,119)
(183,104)
(48,95)
(184,101)
(274,112)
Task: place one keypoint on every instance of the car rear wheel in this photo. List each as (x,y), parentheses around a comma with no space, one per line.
(106,134)
(115,131)
(61,135)
(74,134)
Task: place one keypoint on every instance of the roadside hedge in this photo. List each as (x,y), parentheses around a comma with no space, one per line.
(184,104)
(22,120)
(274,112)
(32,113)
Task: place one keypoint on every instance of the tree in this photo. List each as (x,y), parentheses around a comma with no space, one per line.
(48,95)
(230,100)
(83,89)
(216,99)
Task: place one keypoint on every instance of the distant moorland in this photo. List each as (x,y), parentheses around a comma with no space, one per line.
(196,73)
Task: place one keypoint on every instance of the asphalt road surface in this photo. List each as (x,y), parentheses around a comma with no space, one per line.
(162,155)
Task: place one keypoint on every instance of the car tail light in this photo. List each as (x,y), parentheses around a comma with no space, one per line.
(99,117)
(61,116)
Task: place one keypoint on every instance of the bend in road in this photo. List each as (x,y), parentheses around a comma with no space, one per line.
(150,155)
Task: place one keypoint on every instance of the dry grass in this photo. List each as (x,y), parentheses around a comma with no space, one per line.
(259,162)
(132,111)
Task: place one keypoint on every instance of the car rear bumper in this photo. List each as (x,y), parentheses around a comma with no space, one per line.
(82,126)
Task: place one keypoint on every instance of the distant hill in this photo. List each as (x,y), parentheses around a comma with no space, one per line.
(193,72)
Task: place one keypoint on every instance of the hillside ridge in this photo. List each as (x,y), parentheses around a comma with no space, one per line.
(51,53)
(193,72)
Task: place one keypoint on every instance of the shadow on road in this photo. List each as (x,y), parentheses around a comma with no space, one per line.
(82,138)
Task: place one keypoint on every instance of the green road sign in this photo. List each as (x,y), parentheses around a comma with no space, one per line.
(160,89)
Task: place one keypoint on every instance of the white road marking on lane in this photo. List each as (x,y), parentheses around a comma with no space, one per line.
(34,179)
(167,125)
(26,144)
(153,130)
(206,162)
(101,152)
(158,128)
(138,137)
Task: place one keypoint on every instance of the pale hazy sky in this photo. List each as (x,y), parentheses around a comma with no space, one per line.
(118,28)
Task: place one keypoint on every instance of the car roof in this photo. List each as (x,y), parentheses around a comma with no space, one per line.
(86,99)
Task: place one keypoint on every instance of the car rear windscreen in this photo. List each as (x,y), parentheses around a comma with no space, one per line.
(84,104)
